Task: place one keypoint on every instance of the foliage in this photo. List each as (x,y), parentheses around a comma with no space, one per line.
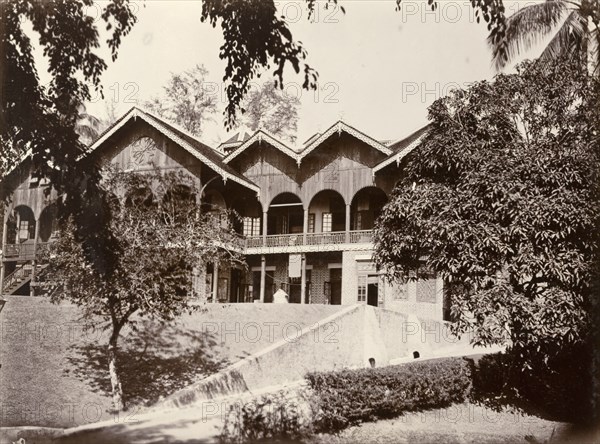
(153,242)
(42,119)
(186,100)
(561,389)
(502,202)
(255,36)
(573,24)
(271,418)
(272,109)
(349,397)
(88,126)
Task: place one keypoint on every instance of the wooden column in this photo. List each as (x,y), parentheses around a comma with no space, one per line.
(263,276)
(34,261)
(2,266)
(303,280)
(347,223)
(264,227)
(215,283)
(305,224)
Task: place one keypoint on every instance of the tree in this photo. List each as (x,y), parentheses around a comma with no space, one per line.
(575,25)
(42,119)
(271,108)
(186,100)
(87,126)
(157,235)
(502,202)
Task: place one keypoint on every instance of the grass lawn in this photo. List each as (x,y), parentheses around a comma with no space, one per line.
(465,423)
(54,372)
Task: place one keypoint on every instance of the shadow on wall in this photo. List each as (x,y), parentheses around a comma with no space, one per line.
(154,361)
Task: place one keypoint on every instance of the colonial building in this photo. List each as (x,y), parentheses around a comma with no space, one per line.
(308,212)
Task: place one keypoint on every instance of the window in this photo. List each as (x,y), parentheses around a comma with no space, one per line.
(251,226)
(358,221)
(24,230)
(401,292)
(311,222)
(426,286)
(327,222)
(362,288)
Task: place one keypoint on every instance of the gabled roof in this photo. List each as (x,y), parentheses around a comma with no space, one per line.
(340,127)
(312,143)
(403,147)
(196,148)
(260,136)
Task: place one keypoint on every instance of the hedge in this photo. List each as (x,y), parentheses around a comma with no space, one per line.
(349,397)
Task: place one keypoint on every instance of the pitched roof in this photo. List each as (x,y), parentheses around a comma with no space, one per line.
(210,157)
(311,144)
(340,127)
(260,136)
(403,147)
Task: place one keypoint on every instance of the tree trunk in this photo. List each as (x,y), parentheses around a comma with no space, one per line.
(115,380)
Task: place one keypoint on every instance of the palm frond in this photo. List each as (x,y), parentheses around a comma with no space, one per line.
(594,51)
(526,29)
(569,40)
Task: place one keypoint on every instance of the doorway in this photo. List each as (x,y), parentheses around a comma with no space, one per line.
(373,291)
(335,277)
(268,286)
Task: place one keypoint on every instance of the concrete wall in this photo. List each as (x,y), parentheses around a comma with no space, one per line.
(349,338)
(335,342)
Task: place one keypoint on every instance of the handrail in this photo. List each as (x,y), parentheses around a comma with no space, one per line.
(297,239)
(23,251)
(20,273)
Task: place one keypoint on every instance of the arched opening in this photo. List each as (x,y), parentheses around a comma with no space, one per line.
(366,207)
(286,215)
(213,200)
(250,212)
(141,198)
(179,203)
(326,212)
(24,225)
(213,203)
(47,223)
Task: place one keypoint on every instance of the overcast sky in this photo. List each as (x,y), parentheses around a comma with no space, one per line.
(379,69)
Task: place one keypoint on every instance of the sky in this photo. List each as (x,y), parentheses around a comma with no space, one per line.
(379,69)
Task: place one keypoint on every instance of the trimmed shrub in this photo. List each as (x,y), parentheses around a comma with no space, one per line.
(280,417)
(349,397)
(559,389)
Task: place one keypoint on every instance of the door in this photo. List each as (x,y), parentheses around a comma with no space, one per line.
(335,276)
(268,286)
(372,291)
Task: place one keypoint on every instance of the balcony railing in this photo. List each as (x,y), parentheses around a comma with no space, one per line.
(284,240)
(297,239)
(24,251)
(361,236)
(335,238)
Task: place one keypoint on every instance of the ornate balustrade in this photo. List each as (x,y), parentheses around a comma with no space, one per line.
(23,251)
(297,239)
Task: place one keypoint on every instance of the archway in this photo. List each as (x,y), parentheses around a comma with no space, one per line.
(251,214)
(285,215)
(47,223)
(25,225)
(179,203)
(366,207)
(141,197)
(326,212)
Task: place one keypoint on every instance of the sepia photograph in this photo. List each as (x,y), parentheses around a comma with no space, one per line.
(299,221)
